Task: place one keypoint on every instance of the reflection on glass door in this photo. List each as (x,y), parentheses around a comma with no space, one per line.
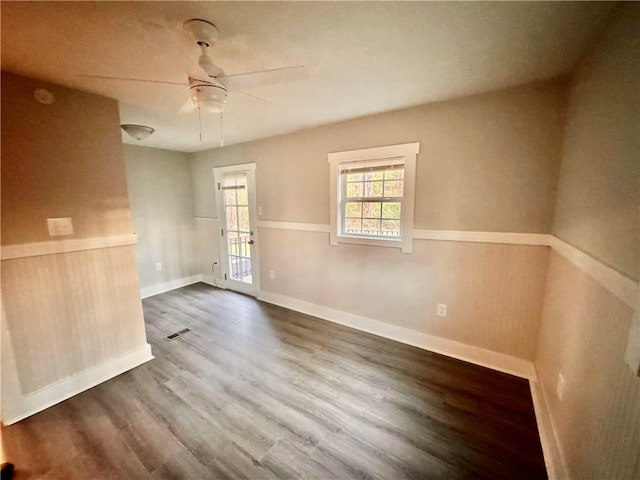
(239,241)
(237,212)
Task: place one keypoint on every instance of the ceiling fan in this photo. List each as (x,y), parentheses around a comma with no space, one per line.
(209,90)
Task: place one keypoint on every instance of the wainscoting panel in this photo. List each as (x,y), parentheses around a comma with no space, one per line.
(583,333)
(69,312)
(493,291)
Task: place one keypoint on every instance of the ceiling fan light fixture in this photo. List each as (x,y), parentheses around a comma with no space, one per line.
(213,106)
(139,132)
(210,97)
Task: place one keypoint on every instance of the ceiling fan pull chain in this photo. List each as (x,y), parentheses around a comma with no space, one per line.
(200,120)
(221,131)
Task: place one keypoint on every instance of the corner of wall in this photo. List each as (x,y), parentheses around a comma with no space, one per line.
(586,420)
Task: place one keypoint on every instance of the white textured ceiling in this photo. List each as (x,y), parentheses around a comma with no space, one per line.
(362,57)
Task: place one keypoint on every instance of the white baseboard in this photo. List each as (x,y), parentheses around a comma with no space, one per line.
(209,280)
(159,288)
(152,290)
(469,353)
(553,457)
(35,402)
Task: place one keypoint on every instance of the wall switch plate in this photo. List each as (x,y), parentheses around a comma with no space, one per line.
(272,274)
(560,387)
(259,210)
(158,266)
(442,310)
(60,226)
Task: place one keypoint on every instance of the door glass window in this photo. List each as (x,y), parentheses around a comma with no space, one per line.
(236,207)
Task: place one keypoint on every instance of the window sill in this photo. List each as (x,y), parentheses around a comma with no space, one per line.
(376,242)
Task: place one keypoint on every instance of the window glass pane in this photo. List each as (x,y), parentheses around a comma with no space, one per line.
(353,225)
(355,190)
(234,248)
(232,218)
(229,197)
(244,241)
(396,174)
(242,197)
(353,209)
(391,210)
(371,226)
(240,246)
(364,209)
(373,189)
(393,188)
(391,228)
(243,245)
(377,175)
(243,214)
(371,209)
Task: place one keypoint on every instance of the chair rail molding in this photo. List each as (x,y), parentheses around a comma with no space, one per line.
(23,250)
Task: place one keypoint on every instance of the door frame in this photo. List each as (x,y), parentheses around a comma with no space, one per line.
(249,169)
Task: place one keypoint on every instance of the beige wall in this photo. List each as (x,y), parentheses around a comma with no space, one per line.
(159,184)
(486,162)
(74,311)
(584,328)
(60,160)
(599,187)
(206,239)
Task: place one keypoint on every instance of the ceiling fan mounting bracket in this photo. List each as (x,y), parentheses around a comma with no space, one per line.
(203,32)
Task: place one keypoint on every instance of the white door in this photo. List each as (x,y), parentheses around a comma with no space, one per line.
(236,201)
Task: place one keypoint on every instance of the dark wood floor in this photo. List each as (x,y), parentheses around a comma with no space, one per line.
(257,391)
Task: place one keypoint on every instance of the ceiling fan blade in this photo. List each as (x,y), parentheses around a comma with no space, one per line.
(244,81)
(140,80)
(260,98)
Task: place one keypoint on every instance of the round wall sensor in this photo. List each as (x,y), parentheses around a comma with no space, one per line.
(43,96)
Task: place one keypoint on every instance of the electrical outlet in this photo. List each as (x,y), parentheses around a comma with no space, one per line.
(272,274)
(442,310)
(158,266)
(560,386)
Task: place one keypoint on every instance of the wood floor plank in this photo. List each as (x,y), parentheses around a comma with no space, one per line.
(258,391)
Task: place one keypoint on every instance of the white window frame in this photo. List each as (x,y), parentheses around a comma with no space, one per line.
(408,152)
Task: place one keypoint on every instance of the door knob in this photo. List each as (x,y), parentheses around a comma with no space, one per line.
(250,242)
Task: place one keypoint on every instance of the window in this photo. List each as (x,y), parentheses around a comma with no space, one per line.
(372,195)
(371,199)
